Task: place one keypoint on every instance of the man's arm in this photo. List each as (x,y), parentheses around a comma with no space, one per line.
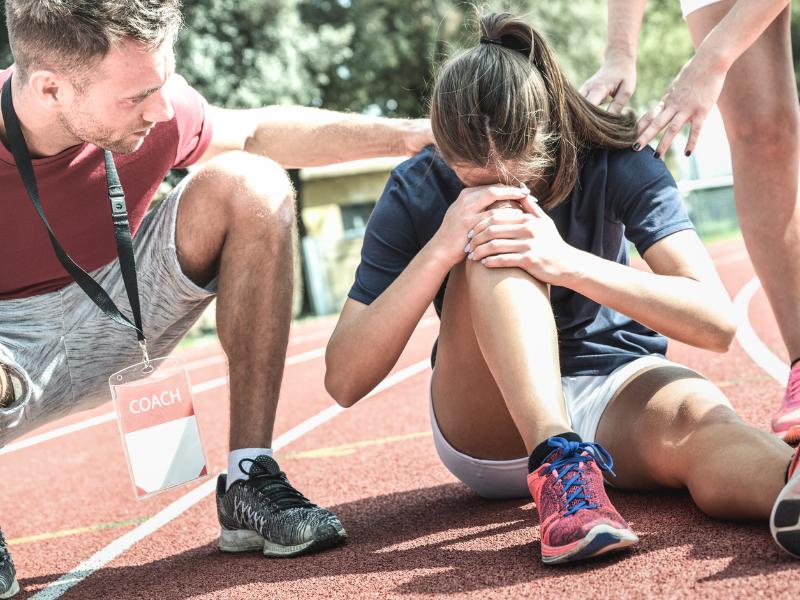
(296,137)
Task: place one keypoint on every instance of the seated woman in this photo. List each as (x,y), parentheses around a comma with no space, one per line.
(551,355)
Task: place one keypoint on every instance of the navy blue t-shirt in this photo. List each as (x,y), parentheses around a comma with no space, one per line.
(618,194)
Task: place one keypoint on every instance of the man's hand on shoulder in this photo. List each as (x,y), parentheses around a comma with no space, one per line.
(418,135)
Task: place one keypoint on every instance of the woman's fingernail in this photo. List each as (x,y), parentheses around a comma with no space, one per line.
(470,234)
(471,256)
(688,153)
(483,262)
(636,146)
(467,248)
(656,155)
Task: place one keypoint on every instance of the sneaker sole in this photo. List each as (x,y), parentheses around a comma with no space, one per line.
(784,522)
(11,591)
(601,539)
(245,540)
(793,440)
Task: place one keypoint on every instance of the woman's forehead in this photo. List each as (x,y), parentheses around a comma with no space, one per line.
(492,173)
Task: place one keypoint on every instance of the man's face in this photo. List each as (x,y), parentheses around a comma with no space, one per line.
(122,98)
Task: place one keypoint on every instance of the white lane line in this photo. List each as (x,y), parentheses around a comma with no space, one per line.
(206,362)
(305,356)
(290,360)
(750,342)
(197,389)
(110,416)
(98,420)
(732,258)
(104,556)
(56,433)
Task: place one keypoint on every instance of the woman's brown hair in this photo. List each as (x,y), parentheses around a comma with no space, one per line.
(506,100)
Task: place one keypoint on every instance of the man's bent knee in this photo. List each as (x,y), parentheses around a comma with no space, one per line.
(252,186)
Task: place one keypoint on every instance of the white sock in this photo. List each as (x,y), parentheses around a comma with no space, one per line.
(234,472)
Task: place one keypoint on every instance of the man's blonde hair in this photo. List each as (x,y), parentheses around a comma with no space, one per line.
(71,36)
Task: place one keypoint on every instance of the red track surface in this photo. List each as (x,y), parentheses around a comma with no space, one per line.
(414,531)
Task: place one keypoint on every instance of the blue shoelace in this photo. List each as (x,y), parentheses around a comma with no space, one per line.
(573,454)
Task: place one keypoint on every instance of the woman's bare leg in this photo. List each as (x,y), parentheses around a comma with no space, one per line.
(670,427)
(497,384)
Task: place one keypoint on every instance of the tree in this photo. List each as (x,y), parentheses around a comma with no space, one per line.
(395,43)
(247,53)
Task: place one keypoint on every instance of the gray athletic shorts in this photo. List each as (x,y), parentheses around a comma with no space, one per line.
(64,348)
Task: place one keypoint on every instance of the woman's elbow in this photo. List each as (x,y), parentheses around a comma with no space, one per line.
(723,335)
(337,388)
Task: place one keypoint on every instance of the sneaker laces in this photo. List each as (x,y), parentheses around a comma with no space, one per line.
(265,475)
(4,553)
(572,456)
(793,387)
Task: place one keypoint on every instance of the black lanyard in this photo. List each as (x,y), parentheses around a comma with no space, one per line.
(119,217)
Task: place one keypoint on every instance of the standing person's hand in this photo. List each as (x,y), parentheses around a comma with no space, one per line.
(615,79)
(453,236)
(689,99)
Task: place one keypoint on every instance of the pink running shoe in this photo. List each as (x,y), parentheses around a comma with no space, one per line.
(576,518)
(784,522)
(789,412)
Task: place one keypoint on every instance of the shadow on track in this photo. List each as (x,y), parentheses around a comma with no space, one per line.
(445,540)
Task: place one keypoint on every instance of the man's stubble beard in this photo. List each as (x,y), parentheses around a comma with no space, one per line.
(85,128)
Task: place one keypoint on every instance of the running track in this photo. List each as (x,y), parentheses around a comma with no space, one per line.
(75,530)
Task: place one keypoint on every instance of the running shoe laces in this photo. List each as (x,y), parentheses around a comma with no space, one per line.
(792,397)
(4,554)
(267,478)
(569,461)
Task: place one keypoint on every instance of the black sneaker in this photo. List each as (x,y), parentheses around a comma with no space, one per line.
(8,574)
(264,512)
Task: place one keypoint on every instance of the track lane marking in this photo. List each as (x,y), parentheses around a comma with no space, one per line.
(51,535)
(93,422)
(105,555)
(350,449)
(756,349)
(202,387)
(326,452)
(220,358)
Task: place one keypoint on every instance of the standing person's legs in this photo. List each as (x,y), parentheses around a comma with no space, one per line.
(759,107)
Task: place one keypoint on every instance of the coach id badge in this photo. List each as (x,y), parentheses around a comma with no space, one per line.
(155,412)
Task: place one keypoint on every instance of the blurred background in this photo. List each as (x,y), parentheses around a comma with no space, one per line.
(378,57)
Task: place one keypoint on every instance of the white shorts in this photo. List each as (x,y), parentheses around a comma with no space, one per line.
(586,397)
(689,6)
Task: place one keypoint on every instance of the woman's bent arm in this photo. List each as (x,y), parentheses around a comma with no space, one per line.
(369,339)
(683,298)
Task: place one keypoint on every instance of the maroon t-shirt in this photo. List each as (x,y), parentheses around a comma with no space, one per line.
(72,186)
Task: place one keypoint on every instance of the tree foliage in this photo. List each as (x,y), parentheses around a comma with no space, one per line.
(380,56)
(247,53)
